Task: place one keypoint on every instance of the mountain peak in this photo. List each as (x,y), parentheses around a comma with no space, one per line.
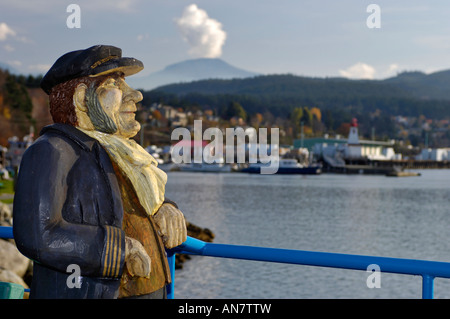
(198,62)
(191,70)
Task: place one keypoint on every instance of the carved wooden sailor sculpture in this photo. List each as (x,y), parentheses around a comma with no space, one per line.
(87,194)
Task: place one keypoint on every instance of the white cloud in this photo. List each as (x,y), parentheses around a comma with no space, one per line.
(5,31)
(203,34)
(359,71)
(393,69)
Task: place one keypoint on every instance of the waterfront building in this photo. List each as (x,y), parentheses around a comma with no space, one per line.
(434,154)
(349,148)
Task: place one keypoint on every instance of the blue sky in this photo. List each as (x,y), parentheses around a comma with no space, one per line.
(313,38)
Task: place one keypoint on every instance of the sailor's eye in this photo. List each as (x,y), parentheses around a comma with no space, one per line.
(112,82)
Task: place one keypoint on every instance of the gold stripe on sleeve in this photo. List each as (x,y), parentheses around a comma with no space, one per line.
(106,257)
(119,253)
(111,247)
(114,253)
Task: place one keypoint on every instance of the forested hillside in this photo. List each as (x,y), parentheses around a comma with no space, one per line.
(279,94)
(412,107)
(23,105)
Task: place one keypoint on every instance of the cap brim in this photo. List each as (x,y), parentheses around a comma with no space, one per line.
(127,66)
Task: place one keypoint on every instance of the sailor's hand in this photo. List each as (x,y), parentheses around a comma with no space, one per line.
(171,224)
(136,258)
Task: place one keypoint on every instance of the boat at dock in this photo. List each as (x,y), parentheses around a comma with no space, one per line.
(286,166)
(205,167)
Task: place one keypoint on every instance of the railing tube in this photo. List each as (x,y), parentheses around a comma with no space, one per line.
(427,269)
(320,259)
(427,287)
(6,232)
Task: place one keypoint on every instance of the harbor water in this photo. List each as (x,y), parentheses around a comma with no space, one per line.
(405,217)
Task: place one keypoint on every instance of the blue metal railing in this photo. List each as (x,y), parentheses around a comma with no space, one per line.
(6,232)
(427,269)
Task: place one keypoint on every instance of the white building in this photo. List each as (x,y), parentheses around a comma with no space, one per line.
(434,154)
(354,148)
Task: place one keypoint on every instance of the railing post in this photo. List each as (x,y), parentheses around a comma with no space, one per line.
(170,287)
(427,287)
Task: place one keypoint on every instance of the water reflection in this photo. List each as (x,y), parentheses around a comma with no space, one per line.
(355,214)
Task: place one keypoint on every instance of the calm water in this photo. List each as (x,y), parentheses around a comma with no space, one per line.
(405,217)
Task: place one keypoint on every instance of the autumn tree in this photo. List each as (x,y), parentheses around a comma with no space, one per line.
(256,120)
(316,113)
(317,125)
(15,107)
(156,114)
(296,119)
(307,117)
(344,129)
(235,109)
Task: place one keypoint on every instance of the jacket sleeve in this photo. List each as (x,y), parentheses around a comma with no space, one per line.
(40,231)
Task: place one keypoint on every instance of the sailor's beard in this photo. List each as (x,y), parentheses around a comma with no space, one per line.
(102,122)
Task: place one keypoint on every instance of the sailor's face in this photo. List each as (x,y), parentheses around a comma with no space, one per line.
(118,100)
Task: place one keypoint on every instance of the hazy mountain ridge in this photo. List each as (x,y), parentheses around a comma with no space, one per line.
(190,70)
(408,84)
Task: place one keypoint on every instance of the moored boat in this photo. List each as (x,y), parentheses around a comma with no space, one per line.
(205,167)
(286,166)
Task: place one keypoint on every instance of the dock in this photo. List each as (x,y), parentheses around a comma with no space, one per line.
(402,174)
(381,167)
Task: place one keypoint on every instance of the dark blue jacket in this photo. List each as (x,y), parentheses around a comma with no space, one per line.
(68,210)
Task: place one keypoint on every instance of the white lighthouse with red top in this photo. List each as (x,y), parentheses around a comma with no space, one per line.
(353,138)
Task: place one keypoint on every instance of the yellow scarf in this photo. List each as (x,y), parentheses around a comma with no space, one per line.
(140,167)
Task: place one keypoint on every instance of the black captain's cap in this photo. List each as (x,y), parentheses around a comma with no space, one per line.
(94,61)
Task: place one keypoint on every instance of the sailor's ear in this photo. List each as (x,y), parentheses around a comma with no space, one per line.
(79,97)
